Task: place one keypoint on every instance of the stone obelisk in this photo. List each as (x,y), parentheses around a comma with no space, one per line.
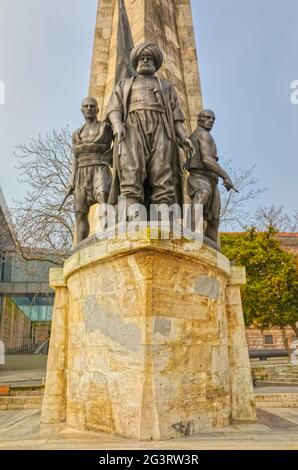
(167,23)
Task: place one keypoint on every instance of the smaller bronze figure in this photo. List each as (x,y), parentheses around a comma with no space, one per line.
(91,174)
(204,172)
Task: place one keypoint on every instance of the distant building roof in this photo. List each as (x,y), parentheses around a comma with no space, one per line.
(288,234)
(289,240)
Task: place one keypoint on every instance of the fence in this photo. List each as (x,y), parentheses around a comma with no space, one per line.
(23,347)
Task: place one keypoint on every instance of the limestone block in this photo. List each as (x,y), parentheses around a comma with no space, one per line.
(238,276)
(243,406)
(99,416)
(76,413)
(56,278)
(54,401)
(57,358)
(51,412)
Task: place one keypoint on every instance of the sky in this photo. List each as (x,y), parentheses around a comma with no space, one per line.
(247,54)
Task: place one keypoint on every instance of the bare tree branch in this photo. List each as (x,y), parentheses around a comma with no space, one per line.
(276,218)
(45,166)
(233,211)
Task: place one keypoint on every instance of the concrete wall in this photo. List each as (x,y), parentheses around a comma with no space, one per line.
(14,325)
(256,338)
(26,362)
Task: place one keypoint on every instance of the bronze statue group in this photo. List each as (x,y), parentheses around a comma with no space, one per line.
(140,139)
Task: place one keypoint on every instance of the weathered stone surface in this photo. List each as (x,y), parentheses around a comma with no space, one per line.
(243,406)
(54,401)
(145,341)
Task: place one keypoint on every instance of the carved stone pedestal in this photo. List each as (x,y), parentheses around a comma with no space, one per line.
(148,340)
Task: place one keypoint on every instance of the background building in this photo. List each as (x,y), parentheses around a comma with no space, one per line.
(26,298)
(272,339)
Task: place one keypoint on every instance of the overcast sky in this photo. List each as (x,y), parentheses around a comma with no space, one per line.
(248,57)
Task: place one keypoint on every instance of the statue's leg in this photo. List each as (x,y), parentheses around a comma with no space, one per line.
(159,166)
(101,184)
(131,163)
(82,226)
(200,198)
(214,215)
(212,230)
(102,198)
(81,203)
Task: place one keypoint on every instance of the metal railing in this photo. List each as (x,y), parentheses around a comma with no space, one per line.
(25,346)
(264,354)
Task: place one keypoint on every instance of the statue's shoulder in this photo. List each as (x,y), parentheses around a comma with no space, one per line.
(76,135)
(201,135)
(165,83)
(105,132)
(204,134)
(197,132)
(125,82)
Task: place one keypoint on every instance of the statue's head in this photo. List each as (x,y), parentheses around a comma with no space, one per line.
(206,119)
(146,58)
(89,107)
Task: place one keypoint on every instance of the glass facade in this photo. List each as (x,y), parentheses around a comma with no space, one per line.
(36,307)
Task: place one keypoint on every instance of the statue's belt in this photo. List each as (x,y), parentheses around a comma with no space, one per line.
(91,159)
(203,172)
(141,106)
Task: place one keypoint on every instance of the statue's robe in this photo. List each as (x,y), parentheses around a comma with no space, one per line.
(133,155)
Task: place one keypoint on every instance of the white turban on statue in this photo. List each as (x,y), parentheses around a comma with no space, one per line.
(149,49)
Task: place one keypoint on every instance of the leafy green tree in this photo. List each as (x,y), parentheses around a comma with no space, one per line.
(270,297)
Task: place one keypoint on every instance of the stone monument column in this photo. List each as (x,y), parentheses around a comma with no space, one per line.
(167,23)
(148,338)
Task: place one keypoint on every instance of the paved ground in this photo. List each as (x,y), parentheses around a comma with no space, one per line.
(273,389)
(275,429)
(22,377)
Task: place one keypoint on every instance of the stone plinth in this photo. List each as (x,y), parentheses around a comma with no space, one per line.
(145,349)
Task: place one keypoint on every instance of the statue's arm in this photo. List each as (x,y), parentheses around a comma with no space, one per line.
(115,112)
(178,117)
(180,131)
(209,161)
(74,165)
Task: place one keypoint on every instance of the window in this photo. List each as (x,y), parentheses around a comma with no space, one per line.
(268,339)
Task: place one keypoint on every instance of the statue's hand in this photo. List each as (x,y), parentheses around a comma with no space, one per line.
(70,188)
(188,146)
(228,184)
(120,131)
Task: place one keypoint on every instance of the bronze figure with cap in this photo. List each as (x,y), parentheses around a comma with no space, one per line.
(91,173)
(204,172)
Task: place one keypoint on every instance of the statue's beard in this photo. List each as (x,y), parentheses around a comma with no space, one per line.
(146,70)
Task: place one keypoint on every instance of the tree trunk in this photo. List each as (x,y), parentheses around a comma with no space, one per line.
(285,341)
(294,326)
